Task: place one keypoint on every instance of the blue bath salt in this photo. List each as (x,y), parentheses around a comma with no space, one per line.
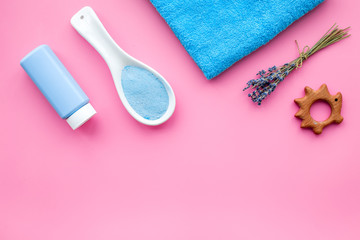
(145,93)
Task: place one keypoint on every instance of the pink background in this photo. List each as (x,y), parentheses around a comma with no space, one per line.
(220,168)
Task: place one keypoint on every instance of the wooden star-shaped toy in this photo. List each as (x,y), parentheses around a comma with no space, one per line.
(312,96)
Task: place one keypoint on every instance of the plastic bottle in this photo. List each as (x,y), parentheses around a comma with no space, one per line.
(58,86)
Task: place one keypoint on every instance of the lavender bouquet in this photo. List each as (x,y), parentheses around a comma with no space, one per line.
(267,81)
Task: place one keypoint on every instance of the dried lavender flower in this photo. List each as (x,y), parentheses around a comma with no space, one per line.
(268,80)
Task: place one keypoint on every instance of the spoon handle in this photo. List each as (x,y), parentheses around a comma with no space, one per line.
(88,25)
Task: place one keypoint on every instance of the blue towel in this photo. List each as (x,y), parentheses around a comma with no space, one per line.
(218,33)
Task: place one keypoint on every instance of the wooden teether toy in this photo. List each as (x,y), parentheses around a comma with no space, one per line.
(312,96)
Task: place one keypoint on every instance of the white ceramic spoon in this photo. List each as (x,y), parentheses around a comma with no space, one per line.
(89,26)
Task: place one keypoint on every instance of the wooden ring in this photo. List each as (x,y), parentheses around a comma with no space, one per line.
(312,96)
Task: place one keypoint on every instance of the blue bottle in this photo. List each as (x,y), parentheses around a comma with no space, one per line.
(58,86)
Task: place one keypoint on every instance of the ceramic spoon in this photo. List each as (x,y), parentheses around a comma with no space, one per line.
(89,26)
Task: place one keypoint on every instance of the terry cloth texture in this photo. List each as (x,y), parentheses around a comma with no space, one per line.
(218,33)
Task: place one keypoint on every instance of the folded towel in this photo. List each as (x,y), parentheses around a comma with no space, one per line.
(218,33)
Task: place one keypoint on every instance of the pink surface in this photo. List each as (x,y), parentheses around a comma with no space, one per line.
(220,168)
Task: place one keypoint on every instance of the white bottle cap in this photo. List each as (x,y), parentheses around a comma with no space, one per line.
(79,117)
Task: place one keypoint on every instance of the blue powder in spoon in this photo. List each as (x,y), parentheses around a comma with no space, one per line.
(145,93)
